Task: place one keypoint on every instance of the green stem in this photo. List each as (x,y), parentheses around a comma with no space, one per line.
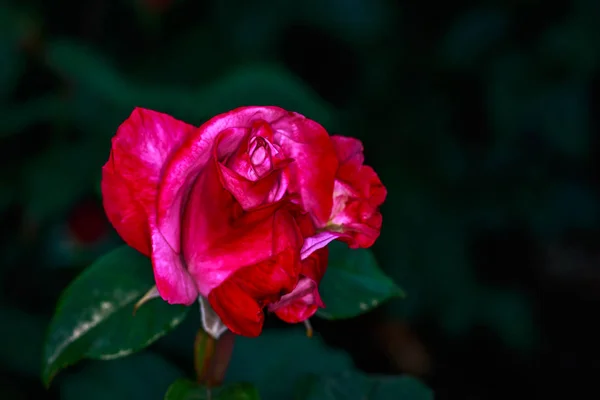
(211,357)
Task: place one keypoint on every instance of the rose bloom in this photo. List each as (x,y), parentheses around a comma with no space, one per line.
(240,209)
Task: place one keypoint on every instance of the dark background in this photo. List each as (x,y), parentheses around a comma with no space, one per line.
(481,118)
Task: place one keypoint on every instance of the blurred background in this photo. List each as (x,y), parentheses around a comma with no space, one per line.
(481,118)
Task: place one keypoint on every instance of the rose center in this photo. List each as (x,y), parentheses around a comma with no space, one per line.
(258,151)
(262,155)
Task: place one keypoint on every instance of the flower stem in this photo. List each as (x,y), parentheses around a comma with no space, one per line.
(211,357)
(204,349)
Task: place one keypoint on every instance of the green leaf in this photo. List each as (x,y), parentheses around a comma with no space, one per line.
(94,317)
(356,386)
(353,283)
(143,376)
(274,361)
(184,389)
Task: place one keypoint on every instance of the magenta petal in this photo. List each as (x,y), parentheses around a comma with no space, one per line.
(130,178)
(191,158)
(173,282)
(315,163)
(251,194)
(316,242)
(304,288)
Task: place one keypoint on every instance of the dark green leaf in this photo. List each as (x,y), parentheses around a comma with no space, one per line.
(353,283)
(94,317)
(184,389)
(274,361)
(356,386)
(143,376)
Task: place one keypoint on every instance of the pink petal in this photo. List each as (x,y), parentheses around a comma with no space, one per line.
(300,309)
(142,145)
(317,241)
(315,163)
(173,281)
(218,238)
(349,152)
(191,159)
(130,179)
(358,193)
(304,300)
(252,194)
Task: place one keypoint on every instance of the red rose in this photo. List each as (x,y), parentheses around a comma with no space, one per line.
(237,211)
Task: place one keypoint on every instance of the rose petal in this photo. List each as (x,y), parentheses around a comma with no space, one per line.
(315,265)
(240,298)
(124,211)
(191,158)
(173,281)
(301,309)
(237,309)
(130,178)
(358,193)
(304,300)
(318,241)
(251,194)
(350,154)
(315,163)
(219,239)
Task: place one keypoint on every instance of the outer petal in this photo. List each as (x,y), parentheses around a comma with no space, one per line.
(358,193)
(302,308)
(240,299)
(304,300)
(190,160)
(142,146)
(350,154)
(315,163)
(124,211)
(173,281)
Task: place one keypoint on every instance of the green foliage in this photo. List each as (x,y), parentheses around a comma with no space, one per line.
(353,283)
(274,361)
(143,376)
(247,84)
(94,317)
(355,386)
(183,389)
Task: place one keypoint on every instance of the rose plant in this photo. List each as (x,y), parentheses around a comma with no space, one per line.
(237,214)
